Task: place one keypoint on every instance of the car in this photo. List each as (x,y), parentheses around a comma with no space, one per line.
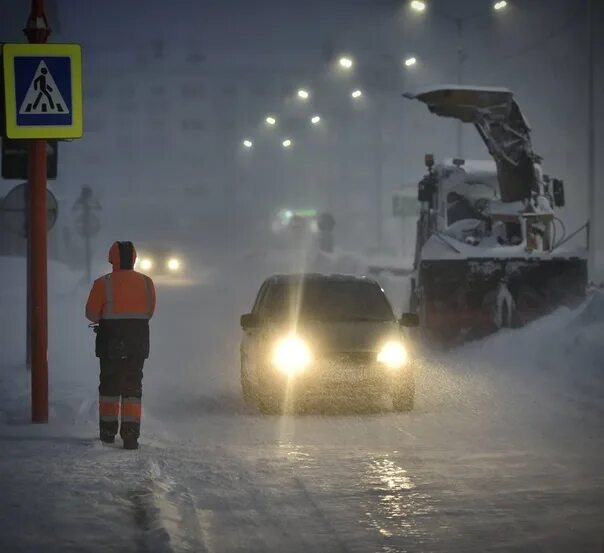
(324,337)
(159,261)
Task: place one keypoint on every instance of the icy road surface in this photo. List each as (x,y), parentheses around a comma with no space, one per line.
(505,451)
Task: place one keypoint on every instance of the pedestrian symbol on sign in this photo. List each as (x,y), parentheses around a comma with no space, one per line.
(43,95)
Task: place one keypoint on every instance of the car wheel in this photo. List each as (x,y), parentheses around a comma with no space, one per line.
(269,405)
(404,398)
(246,386)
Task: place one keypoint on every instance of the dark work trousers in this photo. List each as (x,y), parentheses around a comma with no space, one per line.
(120,390)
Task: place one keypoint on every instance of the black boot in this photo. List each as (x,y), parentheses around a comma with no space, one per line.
(107,438)
(130,443)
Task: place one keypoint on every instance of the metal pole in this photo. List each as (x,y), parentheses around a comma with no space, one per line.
(28,269)
(591,139)
(402,147)
(37,31)
(460,60)
(379,216)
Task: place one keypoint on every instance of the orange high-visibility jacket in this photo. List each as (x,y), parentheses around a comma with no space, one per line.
(123,293)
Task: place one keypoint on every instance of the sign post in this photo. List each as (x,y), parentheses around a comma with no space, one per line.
(87,223)
(43,99)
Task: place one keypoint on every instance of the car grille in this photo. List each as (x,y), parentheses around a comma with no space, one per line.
(350,358)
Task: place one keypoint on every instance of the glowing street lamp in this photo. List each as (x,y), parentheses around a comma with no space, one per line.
(270,120)
(345,62)
(410,61)
(286,143)
(500,5)
(303,94)
(315,120)
(356,94)
(248,143)
(418,5)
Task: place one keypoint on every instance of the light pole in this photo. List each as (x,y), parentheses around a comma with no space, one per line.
(397,68)
(459,22)
(591,139)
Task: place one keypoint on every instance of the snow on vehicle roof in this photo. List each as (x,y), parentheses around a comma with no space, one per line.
(472,166)
(429,89)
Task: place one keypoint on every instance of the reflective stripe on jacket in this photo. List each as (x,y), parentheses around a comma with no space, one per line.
(122,302)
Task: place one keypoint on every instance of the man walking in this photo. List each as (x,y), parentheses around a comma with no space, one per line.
(121,302)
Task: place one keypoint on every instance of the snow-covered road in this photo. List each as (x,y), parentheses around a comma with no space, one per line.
(503,453)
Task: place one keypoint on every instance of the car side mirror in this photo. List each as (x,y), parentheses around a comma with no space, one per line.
(249,320)
(409,320)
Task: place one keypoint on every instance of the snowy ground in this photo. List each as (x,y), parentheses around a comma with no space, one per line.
(503,453)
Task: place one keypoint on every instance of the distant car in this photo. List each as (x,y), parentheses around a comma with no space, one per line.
(319,337)
(158,260)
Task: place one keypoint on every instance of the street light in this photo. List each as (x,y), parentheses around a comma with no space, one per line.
(303,94)
(418,5)
(286,143)
(315,120)
(410,61)
(248,143)
(270,120)
(345,62)
(460,24)
(356,94)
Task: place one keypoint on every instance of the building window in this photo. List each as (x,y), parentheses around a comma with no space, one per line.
(228,125)
(229,91)
(259,90)
(195,57)
(193,158)
(193,125)
(157,125)
(157,90)
(193,90)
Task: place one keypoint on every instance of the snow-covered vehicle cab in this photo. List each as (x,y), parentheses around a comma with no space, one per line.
(489,250)
(324,337)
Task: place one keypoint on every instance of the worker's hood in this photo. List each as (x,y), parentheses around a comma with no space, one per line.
(122,256)
(501,125)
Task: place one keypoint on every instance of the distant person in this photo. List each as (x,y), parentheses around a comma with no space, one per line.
(121,302)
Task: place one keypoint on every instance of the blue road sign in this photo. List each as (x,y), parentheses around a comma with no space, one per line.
(43,90)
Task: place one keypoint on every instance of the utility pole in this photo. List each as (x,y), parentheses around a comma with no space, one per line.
(461,56)
(37,31)
(87,224)
(379,169)
(591,139)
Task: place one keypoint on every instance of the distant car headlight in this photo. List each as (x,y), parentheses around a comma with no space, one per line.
(173,264)
(393,355)
(291,355)
(146,264)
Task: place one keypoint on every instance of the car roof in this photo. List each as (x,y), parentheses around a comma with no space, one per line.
(295,278)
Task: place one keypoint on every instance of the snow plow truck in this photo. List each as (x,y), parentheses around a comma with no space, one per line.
(491,251)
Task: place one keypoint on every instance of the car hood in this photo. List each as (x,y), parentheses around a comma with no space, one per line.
(502,126)
(349,336)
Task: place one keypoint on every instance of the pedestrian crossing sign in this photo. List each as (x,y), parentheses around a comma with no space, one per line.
(42,90)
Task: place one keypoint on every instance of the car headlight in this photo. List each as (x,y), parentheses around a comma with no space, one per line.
(291,355)
(146,264)
(173,264)
(393,355)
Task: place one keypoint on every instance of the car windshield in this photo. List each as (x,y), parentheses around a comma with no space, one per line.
(325,300)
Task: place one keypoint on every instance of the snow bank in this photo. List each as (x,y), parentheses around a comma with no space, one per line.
(70,342)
